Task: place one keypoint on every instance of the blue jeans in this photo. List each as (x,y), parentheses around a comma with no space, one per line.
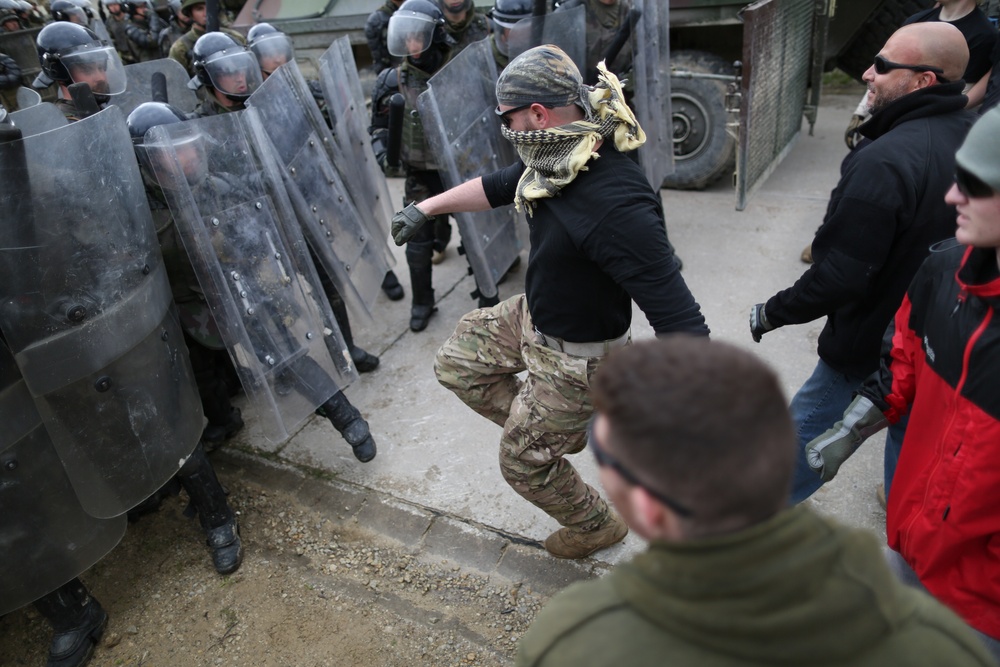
(816,406)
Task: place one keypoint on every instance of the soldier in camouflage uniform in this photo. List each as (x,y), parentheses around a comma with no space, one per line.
(143,31)
(9,19)
(376,30)
(597,243)
(70,53)
(464,23)
(226,74)
(116,22)
(181,49)
(178,23)
(604,19)
(416,31)
(503,16)
(10,81)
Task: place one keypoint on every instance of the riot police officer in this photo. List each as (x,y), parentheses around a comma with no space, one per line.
(143,30)
(225,74)
(116,22)
(178,23)
(69,53)
(416,33)
(376,33)
(198,13)
(10,20)
(503,16)
(463,22)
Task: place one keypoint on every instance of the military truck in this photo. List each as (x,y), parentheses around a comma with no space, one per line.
(741,75)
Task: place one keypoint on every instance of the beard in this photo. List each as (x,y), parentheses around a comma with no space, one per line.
(880,99)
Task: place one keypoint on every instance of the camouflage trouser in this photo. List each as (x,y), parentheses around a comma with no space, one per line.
(544,417)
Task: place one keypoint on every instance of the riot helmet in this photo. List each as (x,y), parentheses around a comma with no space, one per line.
(225,66)
(186,6)
(503,16)
(132,7)
(414,28)
(272,47)
(9,15)
(70,53)
(66,10)
(164,159)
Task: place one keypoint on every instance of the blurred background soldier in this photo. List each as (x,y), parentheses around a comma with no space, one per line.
(70,53)
(143,30)
(65,10)
(416,33)
(464,23)
(226,73)
(178,23)
(198,13)
(10,81)
(116,23)
(376,32)
(10,19)
(503,16)
(604,19)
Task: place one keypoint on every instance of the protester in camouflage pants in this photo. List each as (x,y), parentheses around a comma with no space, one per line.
(543,417)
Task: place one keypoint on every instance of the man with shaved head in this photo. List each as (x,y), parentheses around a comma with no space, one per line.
(884,214)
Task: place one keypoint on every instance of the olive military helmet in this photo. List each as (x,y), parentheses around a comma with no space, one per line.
(70,53)
(188,4)
(222,64)
(414,27)
(272,47)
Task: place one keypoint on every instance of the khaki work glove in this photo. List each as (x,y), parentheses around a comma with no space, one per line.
(406,223)
(828,452)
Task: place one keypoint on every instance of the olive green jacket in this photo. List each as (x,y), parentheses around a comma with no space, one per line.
(797,589)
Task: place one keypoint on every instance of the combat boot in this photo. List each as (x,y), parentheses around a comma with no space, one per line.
(570,542)
(363,361)
(418,257)
(208,499)
(78,621)
(215,434)
(350,424)
(391,286)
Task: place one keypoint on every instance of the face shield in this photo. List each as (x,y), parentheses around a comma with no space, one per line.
(410,33)
(98,66)
(501,33)
(272,51)
(234,72)
(175,160)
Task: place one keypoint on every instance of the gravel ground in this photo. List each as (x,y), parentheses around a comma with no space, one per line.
(314,589)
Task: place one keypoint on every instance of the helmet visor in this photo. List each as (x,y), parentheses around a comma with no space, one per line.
(272,51)
(234,72)
(175,159)
(410,34)
(98,66)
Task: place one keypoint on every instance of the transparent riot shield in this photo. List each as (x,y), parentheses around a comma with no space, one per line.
(20,45)
(228,201)
(26,98)
(37,119)
(138,87)
(85,306)
(566,29)
(298,136)
(350,118)
(46,538)
(457,110)
(651,81)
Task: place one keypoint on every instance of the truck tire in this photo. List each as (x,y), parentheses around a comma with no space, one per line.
(703,150)
(872,34)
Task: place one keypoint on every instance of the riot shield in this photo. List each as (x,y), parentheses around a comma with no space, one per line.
(651,81)
(26,98)
(457,111)
(299,138)
(138,88)
(236,223)
(20,45)
(566,29)
(46,538)
(37,119)
(85,306)
(346,106)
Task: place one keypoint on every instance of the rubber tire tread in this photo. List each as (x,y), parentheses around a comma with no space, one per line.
(719,156)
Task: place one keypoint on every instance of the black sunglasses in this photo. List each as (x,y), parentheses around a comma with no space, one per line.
(505,115)
(605,460)
(883,66)
(971,186)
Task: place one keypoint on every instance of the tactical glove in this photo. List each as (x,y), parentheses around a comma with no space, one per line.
(387,169)
(828,452)
(758,323)
(406,223)
(852,136)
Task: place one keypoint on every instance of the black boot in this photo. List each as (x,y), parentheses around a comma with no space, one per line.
(208,499)
(363,360)
(151,504)
(391,286)
(418,257)
(78,621)
(216,433)
(350,424)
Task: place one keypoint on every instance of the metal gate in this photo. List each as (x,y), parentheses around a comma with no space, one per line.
(777,48)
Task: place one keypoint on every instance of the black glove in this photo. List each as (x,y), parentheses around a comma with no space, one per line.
(758,322)
(828,452)
(852,135)
(406,223)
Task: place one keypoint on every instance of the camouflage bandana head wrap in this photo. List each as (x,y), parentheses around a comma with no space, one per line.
(553,157)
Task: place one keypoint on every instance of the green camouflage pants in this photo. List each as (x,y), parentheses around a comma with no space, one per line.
(544,417)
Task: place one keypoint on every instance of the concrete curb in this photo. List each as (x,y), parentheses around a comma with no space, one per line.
(427,533)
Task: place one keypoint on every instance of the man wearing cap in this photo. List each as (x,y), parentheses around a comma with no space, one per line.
(885,212)
(597,244)
(941,362)
(732,576)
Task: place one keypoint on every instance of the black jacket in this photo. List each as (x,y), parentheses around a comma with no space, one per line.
(884,214)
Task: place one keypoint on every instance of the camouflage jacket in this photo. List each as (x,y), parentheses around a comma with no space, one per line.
(473,28)
(181,49)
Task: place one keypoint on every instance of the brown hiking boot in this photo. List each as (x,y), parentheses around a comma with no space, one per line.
(572,543)
(807,254)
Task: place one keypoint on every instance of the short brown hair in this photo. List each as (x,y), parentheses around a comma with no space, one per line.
(705,423)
